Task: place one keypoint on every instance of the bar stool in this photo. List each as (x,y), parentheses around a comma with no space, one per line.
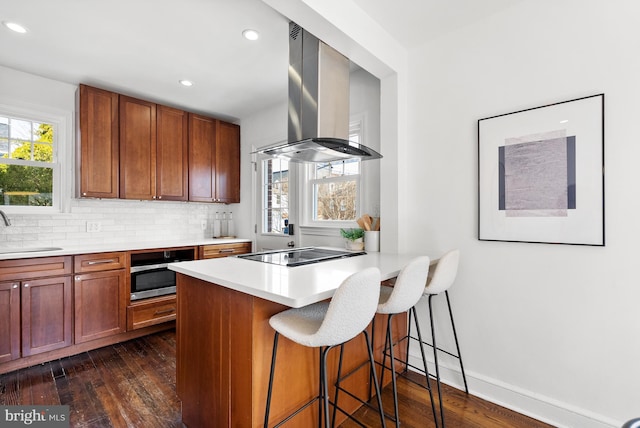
(402,297)
(440,281)
(325,325)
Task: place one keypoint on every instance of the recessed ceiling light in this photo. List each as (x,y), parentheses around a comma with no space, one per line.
(15,27)
(251,34)
(184,82)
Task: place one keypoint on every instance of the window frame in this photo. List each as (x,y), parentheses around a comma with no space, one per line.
(308,202)
(62,165)
(264,196)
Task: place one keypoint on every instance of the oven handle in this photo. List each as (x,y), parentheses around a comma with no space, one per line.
(135,269)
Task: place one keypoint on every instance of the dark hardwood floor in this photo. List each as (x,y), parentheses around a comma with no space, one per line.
(132,384)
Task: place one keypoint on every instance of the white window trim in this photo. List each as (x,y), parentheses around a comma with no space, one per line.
(261,225)
(63,149)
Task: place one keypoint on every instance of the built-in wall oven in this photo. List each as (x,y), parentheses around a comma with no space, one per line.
(150,275)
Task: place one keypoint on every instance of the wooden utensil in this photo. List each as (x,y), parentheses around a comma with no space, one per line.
(367,222)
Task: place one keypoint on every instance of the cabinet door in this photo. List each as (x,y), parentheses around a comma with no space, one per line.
(228,163)
(99,154)
(9,321)
(100,304)
(137,149)
(202,158)
(46,314)
(171,154)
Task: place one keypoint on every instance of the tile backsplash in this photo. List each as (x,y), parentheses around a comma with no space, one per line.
(117,220)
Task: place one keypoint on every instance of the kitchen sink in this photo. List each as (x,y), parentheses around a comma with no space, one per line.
(28,250)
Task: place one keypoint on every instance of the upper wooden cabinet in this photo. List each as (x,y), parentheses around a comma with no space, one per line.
(228,163)
(172,165)
(99,154)
(214,160)
(202,158)
(137,149)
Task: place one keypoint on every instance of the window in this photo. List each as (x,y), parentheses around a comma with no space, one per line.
(334,187)
(275,195)
(28,161)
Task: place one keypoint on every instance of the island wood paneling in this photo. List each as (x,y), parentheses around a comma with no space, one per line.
(224,345)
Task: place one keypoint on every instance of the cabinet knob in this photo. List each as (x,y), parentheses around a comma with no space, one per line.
(77,278)
(26,285)
(84,193)
(15,285)
(159,197)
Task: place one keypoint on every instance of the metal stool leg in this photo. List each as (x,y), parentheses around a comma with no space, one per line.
(323,404)
(375,378)
(389,340)
(455,336)
(335,399)
(273,365)
(435,358)
(413,312)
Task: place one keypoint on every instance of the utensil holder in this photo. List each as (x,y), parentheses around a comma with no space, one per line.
(372,240)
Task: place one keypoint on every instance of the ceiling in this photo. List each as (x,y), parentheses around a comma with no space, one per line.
(412,22)
(143,48)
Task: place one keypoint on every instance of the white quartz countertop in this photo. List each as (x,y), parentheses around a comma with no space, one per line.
(66,250)
(291,286)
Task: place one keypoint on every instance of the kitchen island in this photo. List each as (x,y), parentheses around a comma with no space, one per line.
(224,340)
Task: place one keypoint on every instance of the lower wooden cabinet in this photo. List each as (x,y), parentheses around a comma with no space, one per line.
(152,311)
(100,301)
(9,321)
(36,306)
(46,314)
(223,250)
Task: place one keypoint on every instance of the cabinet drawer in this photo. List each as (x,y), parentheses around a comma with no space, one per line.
(151,312)
(224,250)
(37,267)
(99,262)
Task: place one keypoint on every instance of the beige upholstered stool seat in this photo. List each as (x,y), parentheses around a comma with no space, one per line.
(326,325)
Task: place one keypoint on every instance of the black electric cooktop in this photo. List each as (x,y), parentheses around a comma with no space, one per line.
(299,256)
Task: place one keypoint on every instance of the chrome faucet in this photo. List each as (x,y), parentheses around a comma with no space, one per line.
(5,218)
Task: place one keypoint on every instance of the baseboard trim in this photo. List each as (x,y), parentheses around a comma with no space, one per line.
(528,403)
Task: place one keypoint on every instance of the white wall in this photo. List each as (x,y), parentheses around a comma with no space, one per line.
(550,329)
(122,220)
(365,103)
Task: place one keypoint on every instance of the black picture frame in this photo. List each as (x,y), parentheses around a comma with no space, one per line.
(541,174)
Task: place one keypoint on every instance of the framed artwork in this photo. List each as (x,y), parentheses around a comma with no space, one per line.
(541,174)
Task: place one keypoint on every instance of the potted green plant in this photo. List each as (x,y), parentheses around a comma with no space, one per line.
(354,238)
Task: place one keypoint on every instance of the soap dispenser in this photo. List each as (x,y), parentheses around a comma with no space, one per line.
(216,226)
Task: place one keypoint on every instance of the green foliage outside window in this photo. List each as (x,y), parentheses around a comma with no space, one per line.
(26,184)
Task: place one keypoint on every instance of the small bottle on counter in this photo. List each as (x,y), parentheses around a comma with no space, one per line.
(217,226)
(224,226)
(231,227)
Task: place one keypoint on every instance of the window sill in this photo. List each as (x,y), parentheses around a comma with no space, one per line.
(332,230)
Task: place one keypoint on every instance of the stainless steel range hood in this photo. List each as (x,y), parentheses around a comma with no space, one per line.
(318,104)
